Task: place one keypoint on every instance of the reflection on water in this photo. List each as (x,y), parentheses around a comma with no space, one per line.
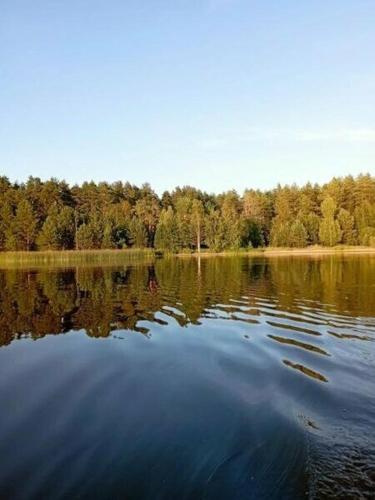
(225,378)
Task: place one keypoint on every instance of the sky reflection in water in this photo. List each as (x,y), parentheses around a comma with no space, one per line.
(226,378)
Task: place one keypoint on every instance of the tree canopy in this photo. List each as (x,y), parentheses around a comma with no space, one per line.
(51,215)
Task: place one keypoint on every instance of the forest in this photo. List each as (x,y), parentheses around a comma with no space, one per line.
(51,215)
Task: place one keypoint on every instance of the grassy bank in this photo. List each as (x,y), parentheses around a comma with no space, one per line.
(68,258)
(75,257)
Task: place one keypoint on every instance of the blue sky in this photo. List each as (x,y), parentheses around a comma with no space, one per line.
(219,94)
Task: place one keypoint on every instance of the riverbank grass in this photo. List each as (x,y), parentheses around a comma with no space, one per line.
(130,255)
(75,257)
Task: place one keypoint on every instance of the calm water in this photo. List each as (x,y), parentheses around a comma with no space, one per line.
(228,378)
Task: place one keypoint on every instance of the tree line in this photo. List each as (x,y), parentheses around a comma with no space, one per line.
(51,215)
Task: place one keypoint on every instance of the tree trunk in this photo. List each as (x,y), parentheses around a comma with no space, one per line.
(199,237)
(75,230)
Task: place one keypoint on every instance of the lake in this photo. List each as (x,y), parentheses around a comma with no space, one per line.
(186,378)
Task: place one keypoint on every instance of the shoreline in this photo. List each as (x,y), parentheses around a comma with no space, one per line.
(288,252)
(71,258)
(108,256)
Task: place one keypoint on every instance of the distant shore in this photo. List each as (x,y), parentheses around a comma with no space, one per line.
(320,250)
(275,252)
(102,257)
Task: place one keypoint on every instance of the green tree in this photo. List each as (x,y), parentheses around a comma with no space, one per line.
(147,210)
(257,208)
(197,221)
(183,221)
(280,233)
(117,219)
(166,236)
(6,226)
(298,234)
(137,233)
(367,236)
(286,209)
(252,234)
(346,221)
(215,231)
(231,221)
(58,229)
(86,237)
(329,230)
(108,240)
(365,221)
(25,226)
(48,238)
(311,222)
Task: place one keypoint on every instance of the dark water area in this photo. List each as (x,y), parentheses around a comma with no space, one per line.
(224,378)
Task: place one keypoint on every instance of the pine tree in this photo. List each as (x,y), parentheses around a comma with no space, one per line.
(25,226)
(6,225)
(346,221)
(58,229)
(48,237)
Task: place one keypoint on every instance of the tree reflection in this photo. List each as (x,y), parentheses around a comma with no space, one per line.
(99,300)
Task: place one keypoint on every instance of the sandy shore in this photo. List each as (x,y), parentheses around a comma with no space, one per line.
(277,252)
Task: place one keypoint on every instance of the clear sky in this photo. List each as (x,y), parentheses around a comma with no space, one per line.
(219,94)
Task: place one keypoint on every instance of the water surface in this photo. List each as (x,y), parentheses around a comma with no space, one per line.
(225,378)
